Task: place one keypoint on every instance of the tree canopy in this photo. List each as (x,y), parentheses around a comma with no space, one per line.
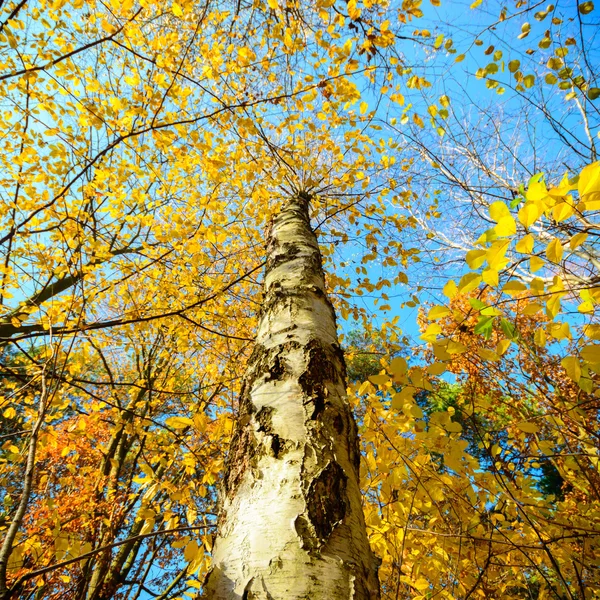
(451,154)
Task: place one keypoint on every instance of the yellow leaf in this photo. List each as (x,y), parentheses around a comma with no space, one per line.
(364,387)
(592,331)
(529,214)
(537,191)
(539,337)
(177,11)
(572,367)
(488,354)
(363,108)
(490,276)
(560,331)
(455,347)
(553,305)
(502,347)
(379,379)
(554,251)
(191,551)
(437,368)
(562,211)
(525,244)
(528,427)
(536,263)
(577,240)
(450,290)
(562,189)
(273,4)
(495,255)
(398,366)
(147,527)
(416,411)
(431,333)
(506,227)
(591,353)
(178,422)
(490,311)
(512,288)
(532,308)
(439,351)
(437,312)
(399,399)
(475,258)
(498,210)
(589,183)
(469,282)
(589,204)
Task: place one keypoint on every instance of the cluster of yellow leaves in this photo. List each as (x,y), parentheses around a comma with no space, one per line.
(452,472)
(145,148)
(458,449)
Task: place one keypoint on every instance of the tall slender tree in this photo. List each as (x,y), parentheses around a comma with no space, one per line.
(291,523)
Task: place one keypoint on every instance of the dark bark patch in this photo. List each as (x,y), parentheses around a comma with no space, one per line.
(239,459)
(280,254)
(326,500)
(277,369)
(319,369)
(276,445)
(243,441)
(268,364)
(264,418)
(339,354)
(354,445)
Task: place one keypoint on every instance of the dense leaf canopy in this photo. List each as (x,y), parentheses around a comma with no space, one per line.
(451,155)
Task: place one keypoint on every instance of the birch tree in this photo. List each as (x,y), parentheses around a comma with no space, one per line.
(291,523)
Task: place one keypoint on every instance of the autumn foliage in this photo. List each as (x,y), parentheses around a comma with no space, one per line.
(146,147)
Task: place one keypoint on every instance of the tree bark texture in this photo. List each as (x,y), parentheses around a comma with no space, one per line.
(291,525)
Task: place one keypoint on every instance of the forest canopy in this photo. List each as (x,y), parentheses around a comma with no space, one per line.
(450,153)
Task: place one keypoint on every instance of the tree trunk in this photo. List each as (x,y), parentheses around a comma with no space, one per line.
(291,525)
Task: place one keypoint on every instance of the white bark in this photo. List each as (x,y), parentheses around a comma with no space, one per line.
(291,525)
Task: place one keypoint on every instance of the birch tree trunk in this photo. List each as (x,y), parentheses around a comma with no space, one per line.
(291,525)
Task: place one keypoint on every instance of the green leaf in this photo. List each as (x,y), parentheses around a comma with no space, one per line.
(484,327)
(509,329)
(477,304)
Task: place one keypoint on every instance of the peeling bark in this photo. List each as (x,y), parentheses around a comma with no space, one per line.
(291,525)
